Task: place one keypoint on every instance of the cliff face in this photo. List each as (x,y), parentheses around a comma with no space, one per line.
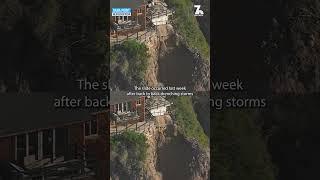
(39,54)
(292,48)
(169,46)
(169,156)
(201,75)
(201,106)
(157,47)
(179,158)
(204,21)
(293,56)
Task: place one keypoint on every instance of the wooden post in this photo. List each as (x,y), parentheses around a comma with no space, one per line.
(40,140)
(27,144)
(53,143)
(116,126)
(117,36)
(16,151)
(167,15)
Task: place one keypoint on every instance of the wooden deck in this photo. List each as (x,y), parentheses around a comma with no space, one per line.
(154,18)
(140,36)
(145,127)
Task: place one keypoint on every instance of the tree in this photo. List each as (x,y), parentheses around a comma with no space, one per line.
(239,153)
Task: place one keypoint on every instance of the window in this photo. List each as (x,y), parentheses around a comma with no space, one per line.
(87,128)
(21,148)
(139,11)
(61,142)
(125,107)
(121,107)
(116,108)
(47,143)
(94,127)
(33,144)
(138,102)
(91,127)
(129,106)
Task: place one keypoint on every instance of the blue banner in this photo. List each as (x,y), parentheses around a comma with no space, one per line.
(121,11)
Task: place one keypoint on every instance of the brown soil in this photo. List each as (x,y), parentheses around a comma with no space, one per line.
(157,47)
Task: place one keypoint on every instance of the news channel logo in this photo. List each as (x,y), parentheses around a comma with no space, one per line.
(121,11)
(198,11)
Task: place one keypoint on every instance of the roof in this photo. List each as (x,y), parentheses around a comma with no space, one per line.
(23,113)
(117,97)
(133,4)
(155,102)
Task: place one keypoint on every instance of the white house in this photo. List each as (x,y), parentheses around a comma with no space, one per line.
(157,105)
(159,13)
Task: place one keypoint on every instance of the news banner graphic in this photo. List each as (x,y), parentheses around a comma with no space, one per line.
(121,11)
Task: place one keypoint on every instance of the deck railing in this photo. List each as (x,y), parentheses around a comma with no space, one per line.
(133,34)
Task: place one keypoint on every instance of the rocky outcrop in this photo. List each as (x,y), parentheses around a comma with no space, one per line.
(179,158)
(200,163)
(166,41)
(157,48)
(201,75)
(169,156)
(201,106)
(292,50)
(151,76)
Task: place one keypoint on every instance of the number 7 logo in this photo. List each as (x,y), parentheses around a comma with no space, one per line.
(198,11)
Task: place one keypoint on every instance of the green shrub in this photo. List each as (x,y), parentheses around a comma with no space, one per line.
(136,55)
(188,26)
(239,151)
(187,121)
(124,67)
(132,145)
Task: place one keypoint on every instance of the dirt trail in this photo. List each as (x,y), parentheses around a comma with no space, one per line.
(157,48)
